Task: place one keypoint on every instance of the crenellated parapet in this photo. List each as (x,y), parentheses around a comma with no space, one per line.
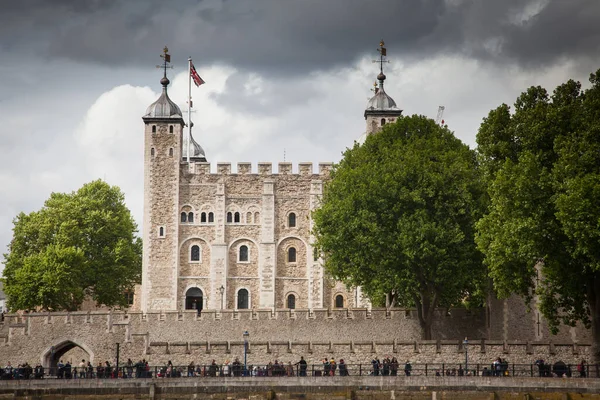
(262,168)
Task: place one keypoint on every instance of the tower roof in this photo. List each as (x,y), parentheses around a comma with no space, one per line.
(381,103)
(196,151)
(164,107)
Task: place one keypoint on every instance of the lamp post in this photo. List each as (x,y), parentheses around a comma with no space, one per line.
(466,344)
(221,290)
(246,336)
(117,366)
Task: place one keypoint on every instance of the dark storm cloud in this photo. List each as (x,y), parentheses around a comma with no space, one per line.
(284,36)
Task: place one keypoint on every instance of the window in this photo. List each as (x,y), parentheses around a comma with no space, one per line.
(129,297)
(256,217)
(153,128)
(161,231)
(242,300)
(211,217)
(339,301)
(243,253)
(315,254)
(229,217)
(236,217)
(195,253)
(183,217)
(382,121)
(292,220)
(170,128)
(248,217)
(171,152)
(291,301)
(203,217)
(292,254)
(152,152)
(191,217)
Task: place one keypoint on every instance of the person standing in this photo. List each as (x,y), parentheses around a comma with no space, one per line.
(302,366)
(407,368)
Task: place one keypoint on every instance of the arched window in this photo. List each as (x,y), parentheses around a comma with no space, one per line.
(195,253)
(203,217)
(292,254)
(382,121)
(339,301)
(153,128)
(256,217)
(171,152)
(193,299)
(183,217)
(243,253)
(152,152)
(292,220)
(236,217)
(161,231)
(242,300)
(248,217)
(191,217)
(291,301)
(229,217)
(315,254)
(170,128)
(211,217)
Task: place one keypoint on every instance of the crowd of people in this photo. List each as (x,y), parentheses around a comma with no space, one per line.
(327,367)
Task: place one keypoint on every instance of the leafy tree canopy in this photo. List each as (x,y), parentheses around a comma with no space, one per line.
(398,216)
(78,245)
(542,166)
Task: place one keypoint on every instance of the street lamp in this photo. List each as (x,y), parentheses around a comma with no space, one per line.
(221,290)
(246,336)
(466,344)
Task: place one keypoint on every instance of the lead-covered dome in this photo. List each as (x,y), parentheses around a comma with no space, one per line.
(196,151)
(381,101)
(164,107)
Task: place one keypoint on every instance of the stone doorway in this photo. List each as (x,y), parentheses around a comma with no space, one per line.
(67,351)
(194,299)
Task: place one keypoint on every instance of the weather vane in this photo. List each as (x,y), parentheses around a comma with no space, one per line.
(167,59)
(382,53)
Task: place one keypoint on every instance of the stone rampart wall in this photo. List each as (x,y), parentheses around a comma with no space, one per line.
(264,168)
(356,335)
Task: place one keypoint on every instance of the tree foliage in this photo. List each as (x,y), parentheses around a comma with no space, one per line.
(398,217)
(542,168)
(79,245)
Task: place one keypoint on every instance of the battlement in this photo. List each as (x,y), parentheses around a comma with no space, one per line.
(263,168)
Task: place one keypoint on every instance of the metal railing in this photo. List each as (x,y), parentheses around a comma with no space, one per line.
(140,371)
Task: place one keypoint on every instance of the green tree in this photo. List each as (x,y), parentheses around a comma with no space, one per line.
(542,168)
(398,216)
(79,245)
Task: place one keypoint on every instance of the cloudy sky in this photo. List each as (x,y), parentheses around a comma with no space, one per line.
(282,76)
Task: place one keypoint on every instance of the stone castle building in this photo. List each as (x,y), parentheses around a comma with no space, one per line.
(229,240)
(238,246)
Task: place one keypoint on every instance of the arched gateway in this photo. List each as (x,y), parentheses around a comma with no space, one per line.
(53,354)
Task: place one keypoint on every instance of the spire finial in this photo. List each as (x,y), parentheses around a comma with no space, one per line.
(167,59)
(382,53)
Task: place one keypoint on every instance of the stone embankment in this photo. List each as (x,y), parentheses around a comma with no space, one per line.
(333,388)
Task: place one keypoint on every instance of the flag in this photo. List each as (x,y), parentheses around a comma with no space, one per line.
(195,77)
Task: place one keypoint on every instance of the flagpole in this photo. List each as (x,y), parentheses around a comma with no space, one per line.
(189,141)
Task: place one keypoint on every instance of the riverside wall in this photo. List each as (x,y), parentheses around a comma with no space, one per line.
(356,335)
(337,388)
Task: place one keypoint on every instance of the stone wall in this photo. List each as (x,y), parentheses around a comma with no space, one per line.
(356,335)
(247,208)
(315,388)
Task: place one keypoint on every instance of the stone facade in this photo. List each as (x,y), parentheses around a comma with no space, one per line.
(228,240)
